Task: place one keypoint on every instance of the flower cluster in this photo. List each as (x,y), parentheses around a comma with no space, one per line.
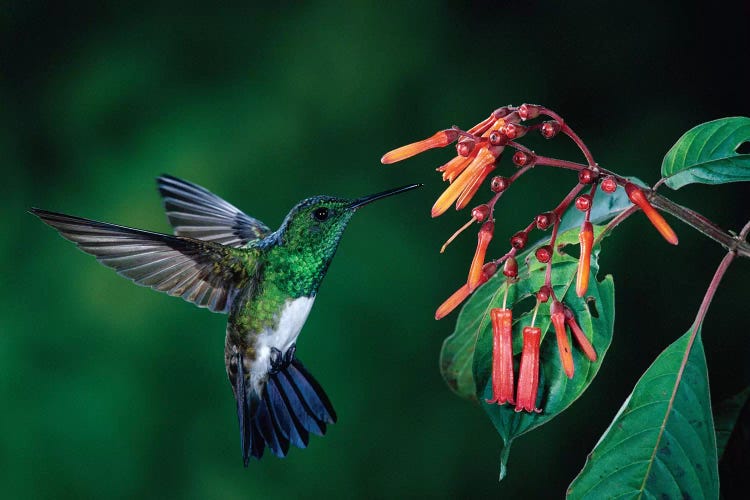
(479,150)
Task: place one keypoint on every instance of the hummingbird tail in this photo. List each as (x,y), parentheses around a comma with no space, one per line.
(292,406)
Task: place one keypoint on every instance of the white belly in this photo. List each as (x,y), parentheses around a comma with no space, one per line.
(291,320)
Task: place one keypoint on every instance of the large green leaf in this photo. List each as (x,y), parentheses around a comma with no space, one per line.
(661,443)
(707,154)
(457,353)
(595,315)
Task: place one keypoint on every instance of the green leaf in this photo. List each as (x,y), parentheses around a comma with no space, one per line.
(457,353)
(595,315)
(661,443)
(707,154)
(725,418)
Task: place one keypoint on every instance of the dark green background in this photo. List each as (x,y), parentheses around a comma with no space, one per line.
(108,389)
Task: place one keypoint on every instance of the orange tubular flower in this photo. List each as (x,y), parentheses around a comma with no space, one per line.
(453,168)
(470,173)
(581,338)
(528,374)
(438,140)
(502,356)
(484,238)
(472,188)
(637,196)
(460,295)
(586,239)
(557,315)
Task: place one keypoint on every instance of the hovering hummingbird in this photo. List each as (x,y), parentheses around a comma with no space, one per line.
(229,262)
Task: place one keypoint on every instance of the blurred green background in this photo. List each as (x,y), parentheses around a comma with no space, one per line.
(109,389)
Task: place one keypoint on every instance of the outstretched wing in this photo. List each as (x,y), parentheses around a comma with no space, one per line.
(204,273)
(197,213)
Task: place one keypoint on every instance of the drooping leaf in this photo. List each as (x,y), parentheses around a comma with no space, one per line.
(594,313)
(707,154)
(725,418)
(661,443)
(457,353)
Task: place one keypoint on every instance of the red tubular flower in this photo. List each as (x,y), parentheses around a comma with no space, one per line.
(557,314)
(488,270)
(502,356)
(637,196)
(528,374)
(581,338)
(484,238)
(438,140)
(586,239)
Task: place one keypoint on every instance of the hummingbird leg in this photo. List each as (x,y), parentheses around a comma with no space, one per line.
(278,361)
(289,354)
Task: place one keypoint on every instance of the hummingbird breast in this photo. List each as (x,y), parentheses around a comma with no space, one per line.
(279,333)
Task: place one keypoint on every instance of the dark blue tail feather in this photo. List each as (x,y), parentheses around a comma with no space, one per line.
(292,406)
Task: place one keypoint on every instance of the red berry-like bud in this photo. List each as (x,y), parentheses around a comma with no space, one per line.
(587,176)
(609,185)
(499,183)
(543,294)
(583,202)
(518,241)
(528,111)
(513,130)
(543,254)
(549,129)
(480,213)
(465,146)
(488,271)
(497,138)
(522,159)
(545,220)
(510,268)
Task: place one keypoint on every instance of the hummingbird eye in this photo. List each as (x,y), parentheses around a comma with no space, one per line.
(320,214)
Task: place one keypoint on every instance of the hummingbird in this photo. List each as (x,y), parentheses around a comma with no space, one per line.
(266,281)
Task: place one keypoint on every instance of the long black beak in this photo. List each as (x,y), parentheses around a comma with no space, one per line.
(369,199)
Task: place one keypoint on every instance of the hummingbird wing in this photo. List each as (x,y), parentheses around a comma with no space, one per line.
(197,213)
(202,272)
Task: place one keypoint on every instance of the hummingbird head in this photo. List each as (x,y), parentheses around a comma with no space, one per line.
(311,232)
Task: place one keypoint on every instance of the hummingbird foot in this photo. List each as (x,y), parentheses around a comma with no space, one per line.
(280,361)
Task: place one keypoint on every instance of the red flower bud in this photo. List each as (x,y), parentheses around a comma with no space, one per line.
(637,196)
(438,140)
(499,183)
(528,111)
(518,241)
(609,185)
(465,146)
(513,130)
(543,294)
(557,315)
(587,176)
(497,138)
(528,374)
(510,268)
(543,254)
(583,202)
(480,212)
(586,239)
(550,129)
(484,238)
(545,220)
(502,356)
(581,338)
(523,159)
